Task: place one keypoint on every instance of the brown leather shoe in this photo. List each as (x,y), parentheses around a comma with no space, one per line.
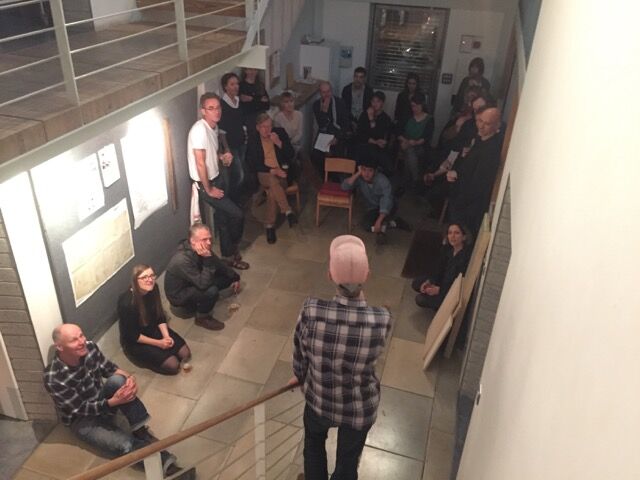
(209,323)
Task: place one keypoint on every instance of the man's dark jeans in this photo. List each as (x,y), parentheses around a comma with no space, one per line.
(203,301)
(350,445)
(101,433)
(228,218)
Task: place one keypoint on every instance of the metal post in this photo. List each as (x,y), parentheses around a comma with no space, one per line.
(66,62)
(259,416)
(249,9)
(181,30)
(153,467)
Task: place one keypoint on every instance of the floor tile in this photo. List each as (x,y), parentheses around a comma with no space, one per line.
(196,450)
(296,276)
(403,368)
(402,423)
(439,455)
(233,325)
(168,412)
(253,355)
(24,474)
(411,321)
(380,464)
(253,282)
(205,360)
(383,291)
(277,311)
(221,395)
(286,355)
(287,406)
(443,417)
(311,247)
(52,456)
(388,260)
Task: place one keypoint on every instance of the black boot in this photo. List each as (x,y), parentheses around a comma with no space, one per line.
(271,235)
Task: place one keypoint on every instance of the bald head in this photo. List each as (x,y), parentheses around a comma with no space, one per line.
(70,343)
(488,122)
(325,89)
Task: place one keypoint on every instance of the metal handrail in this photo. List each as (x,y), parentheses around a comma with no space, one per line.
(115,14)
(200,15)
(28,65)
(208,32)
(25,35)
(13,4)
(125,37)
(30,94)
(138,455)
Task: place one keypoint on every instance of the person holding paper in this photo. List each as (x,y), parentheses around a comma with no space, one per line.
(333,127)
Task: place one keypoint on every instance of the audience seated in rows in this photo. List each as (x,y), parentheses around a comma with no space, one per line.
(195,277)
(272,157)
(455,255)
(145,336)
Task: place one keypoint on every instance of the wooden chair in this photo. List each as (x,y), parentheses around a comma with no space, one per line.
(330,194)
(294,189)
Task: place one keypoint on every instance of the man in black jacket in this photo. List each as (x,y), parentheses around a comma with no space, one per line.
(195,276)
(475,173)
(271,155)
(357,95)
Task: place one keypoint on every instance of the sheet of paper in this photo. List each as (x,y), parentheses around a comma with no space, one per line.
(88,186)
(96,252)
(323,142)
(109,165)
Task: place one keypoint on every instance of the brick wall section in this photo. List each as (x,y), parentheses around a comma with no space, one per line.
(20,339)
(488,299)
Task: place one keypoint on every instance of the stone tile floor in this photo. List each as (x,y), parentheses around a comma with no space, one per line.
(413,437)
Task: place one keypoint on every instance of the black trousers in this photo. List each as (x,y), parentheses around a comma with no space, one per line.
(203,301)
(228,218)
(350,445)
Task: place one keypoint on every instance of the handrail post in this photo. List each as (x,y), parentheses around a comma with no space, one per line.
(181,30)
(259,416)
(249,11)
(153,467)
(66,62)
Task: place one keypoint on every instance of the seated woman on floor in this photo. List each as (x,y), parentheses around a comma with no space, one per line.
(144,334)
(455,257)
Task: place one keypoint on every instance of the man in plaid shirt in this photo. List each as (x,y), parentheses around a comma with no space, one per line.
(336,346)
(87,405)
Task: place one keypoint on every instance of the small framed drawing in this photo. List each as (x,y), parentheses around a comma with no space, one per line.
(470,43)
(346,56)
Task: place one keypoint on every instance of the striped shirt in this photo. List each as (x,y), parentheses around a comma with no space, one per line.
(76,390)
(336,346)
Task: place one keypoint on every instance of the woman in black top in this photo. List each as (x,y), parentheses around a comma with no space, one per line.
(455,257)
(253,98)
(474,79)
(372,134)
(144,334)
(403,101)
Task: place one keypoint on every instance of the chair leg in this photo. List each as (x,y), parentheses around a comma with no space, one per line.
(317,214)
(349,218)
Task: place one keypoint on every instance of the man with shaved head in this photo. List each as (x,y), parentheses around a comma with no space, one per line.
(88,390)
(475,172)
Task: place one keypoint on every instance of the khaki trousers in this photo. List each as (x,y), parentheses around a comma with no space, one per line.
(276,195)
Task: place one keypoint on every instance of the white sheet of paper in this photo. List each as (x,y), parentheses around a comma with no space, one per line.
(89,192)
(109,165)
(323,142)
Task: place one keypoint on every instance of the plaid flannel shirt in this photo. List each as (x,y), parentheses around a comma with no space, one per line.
(336,346)
(76,390)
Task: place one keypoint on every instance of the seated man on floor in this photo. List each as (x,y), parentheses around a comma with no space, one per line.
(271,156)
(332,119)
(376,191)
(195,276)
(475,172)
(87,403)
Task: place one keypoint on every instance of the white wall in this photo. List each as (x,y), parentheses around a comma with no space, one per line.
(560,383)
(103,7)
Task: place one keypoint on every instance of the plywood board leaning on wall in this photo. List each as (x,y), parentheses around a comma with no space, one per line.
(442,322)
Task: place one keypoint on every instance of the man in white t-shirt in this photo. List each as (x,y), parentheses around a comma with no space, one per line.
(202,155)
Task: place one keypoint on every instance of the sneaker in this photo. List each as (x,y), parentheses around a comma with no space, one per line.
(169,466)
(401,224)
(292,219)
(381,238)
(271,235)
(209,323)
(143,433)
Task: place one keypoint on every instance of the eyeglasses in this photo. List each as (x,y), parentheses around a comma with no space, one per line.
(211,109)
(151,276)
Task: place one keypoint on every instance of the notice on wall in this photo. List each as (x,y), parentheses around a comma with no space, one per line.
(108,160)
(89,193)
(143,150)
(95,253)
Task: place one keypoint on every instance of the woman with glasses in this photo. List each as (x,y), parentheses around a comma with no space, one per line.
(144,334)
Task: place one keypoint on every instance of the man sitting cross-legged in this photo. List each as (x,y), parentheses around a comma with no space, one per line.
(87,404)
(375,189)
(195,276)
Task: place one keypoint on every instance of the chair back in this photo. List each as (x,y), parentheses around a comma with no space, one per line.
(340,165)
